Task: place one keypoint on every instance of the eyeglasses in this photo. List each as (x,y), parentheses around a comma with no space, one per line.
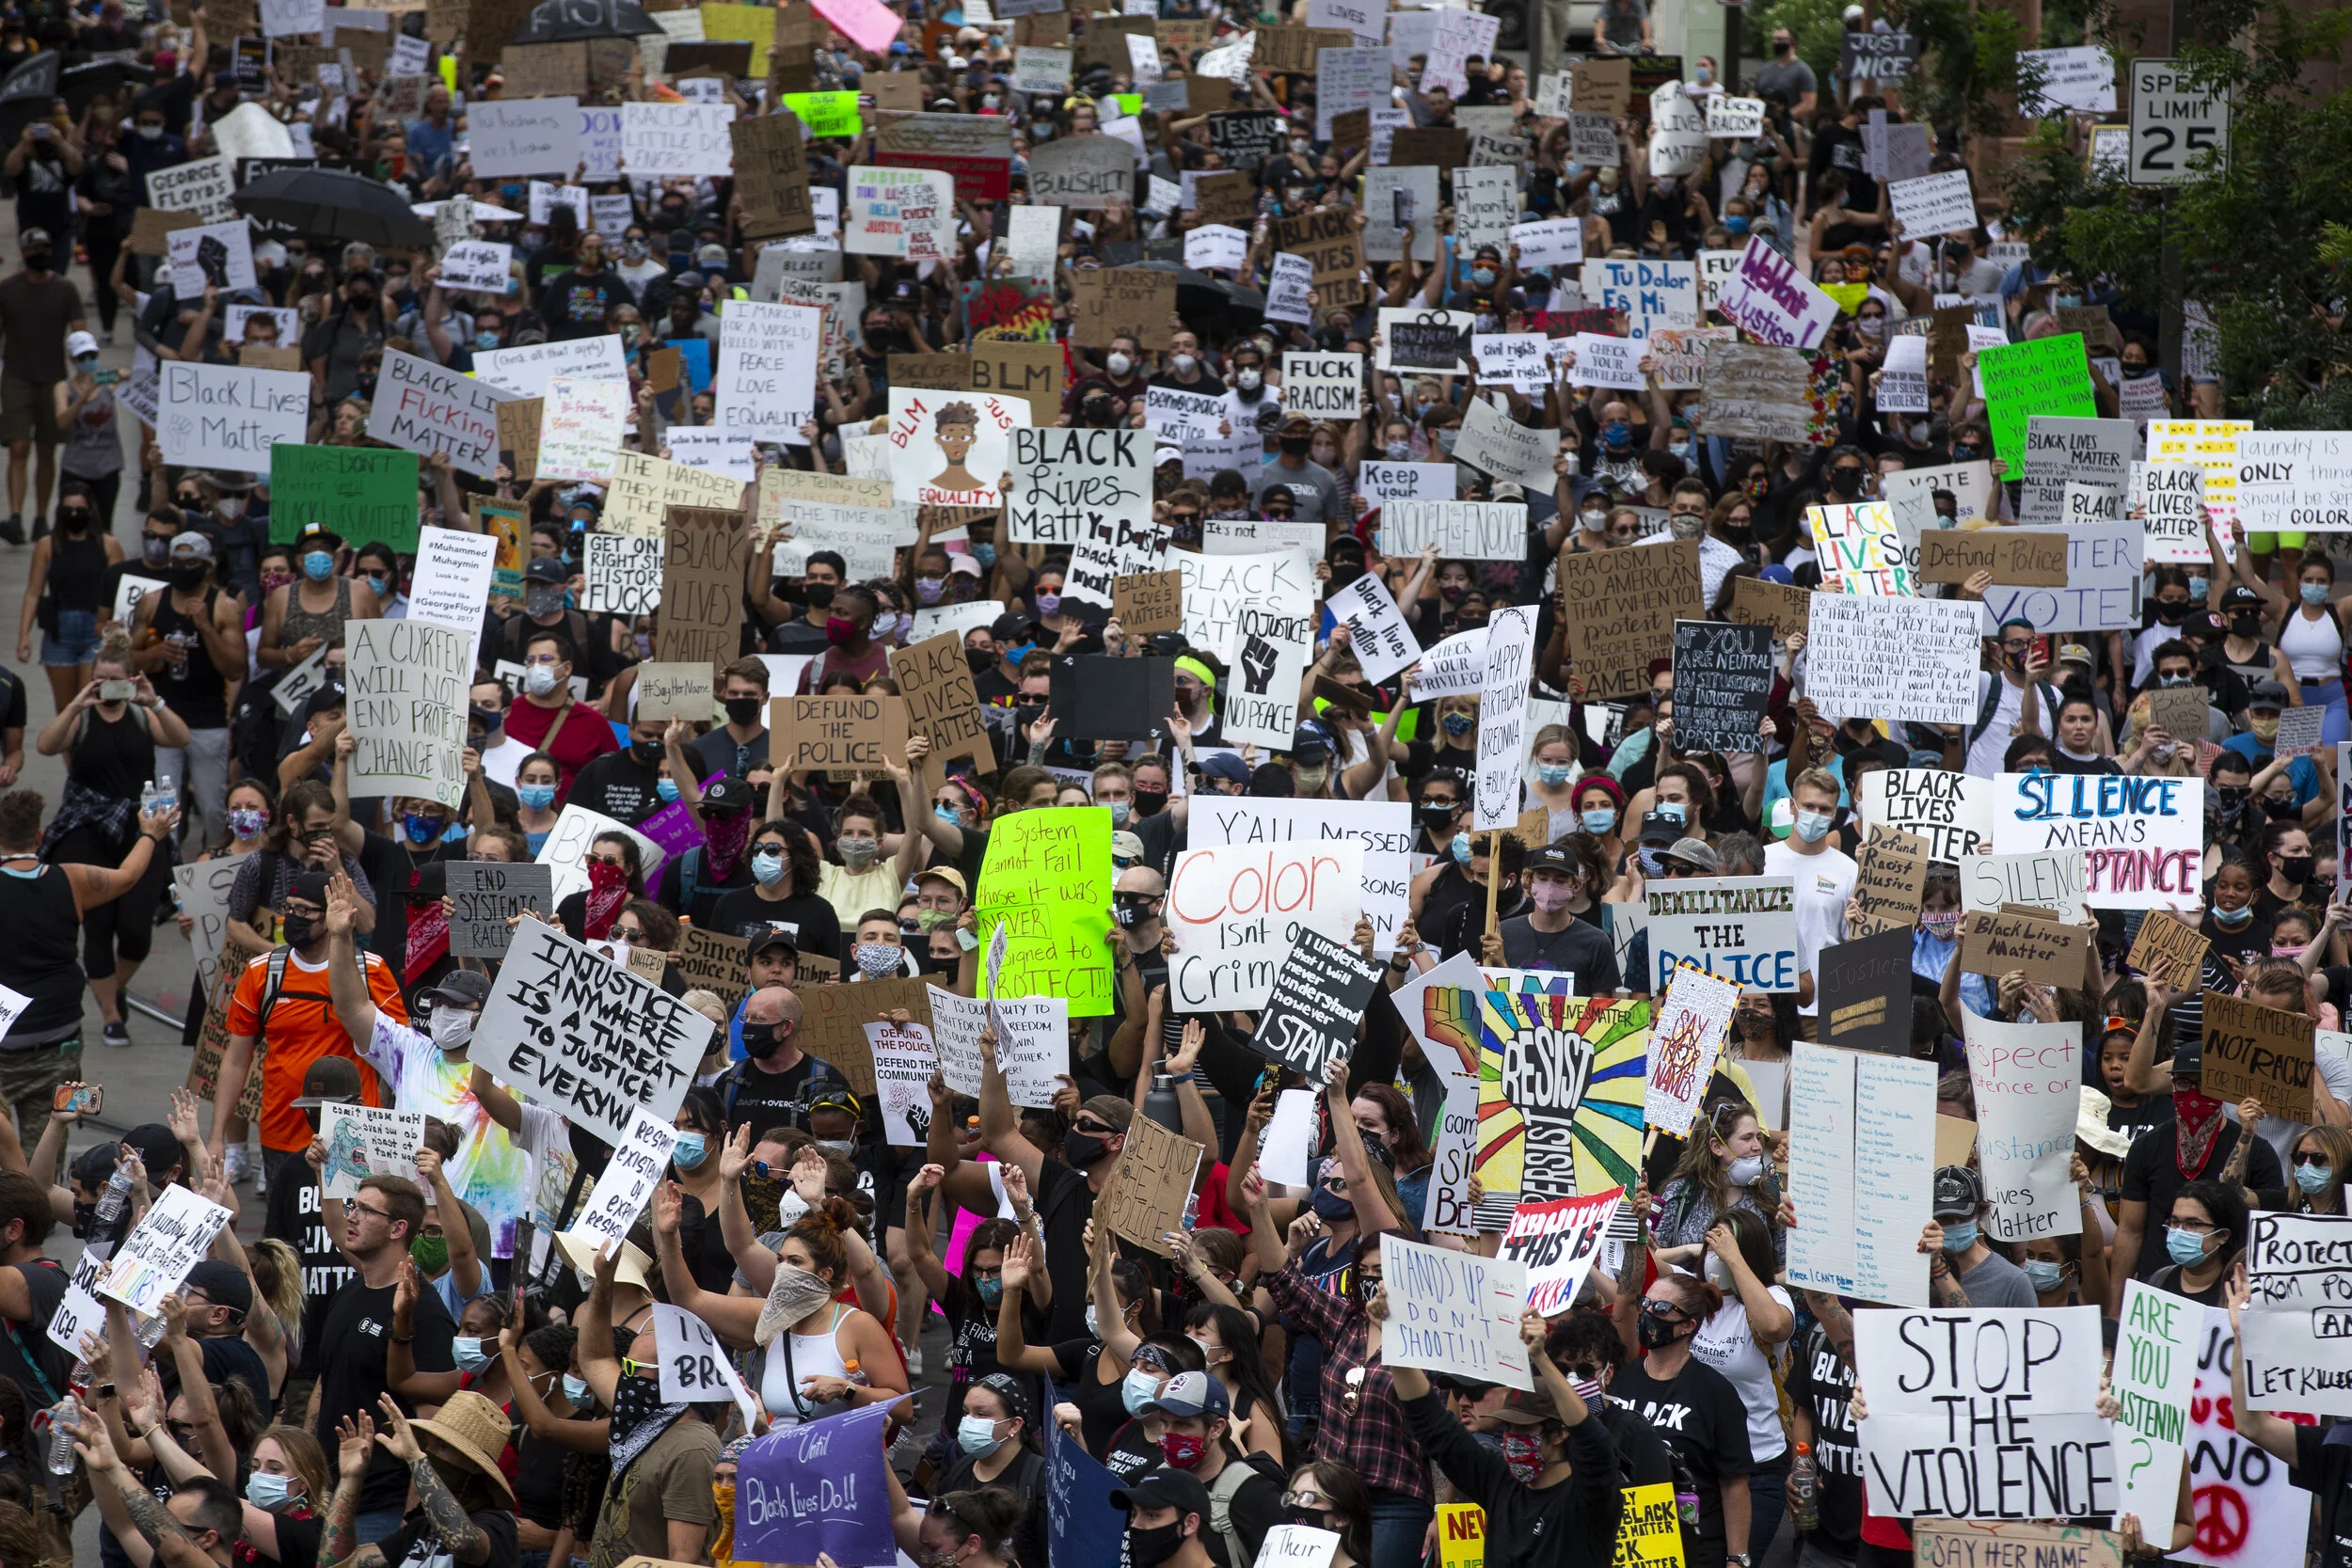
(1305,1499)
(628,933)
(1680,868)
(358,1208)
(2199,1227)
(1094,1129)
(545,661)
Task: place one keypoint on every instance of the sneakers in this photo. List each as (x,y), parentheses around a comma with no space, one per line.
(116,1033)
(239,1163)
(914,1361)
(13,530)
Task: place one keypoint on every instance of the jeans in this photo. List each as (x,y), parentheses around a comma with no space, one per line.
(74,641)
(1767,1499)
(376,1524)
(1400,1525)
(199,770)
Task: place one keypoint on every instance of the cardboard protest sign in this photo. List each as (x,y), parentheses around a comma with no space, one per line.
(172,1238)
(2046,951)
(1148,602)
(702,584)
(1333,246)
(2252,1052)
(1454,1312)
(846,734)
(1557,1244)
(1891,873)
(1862,1155)
(1084,173)
(1982,1543)
(2011,555)
(1462,530)
(586,1037)
(485,895)
(518,421)
(367,1140)
(1755,391)
(1620,607)
(1784,607)
(1316,1004)
(942,706)
(2142,838)
(2028,1078)
(2169,951)
(1047,880)
(1145,1200)
(1741,929)
(1686,1037)
(1723,681)
(1864,989)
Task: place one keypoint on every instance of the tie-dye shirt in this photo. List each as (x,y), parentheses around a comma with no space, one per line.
(490,1172)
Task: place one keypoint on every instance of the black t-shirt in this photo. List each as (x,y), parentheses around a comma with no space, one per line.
(1131,1452)
(45,1280)
(1064,1204)
(415,1545)
(1821,1385)
(393,867)
(1101,1410)
(971,1344)
(1643,1454)
(353,1344)
(795,636)
(620,787)
(295,1217)
(1578,949)
(298,1540)
(11,701)
(1699,1415)
(2152,1175)
(750,1093)
(813,924)
(575,303)
(228,1358)
(2323,1467)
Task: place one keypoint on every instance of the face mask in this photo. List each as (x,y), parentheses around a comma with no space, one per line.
(539,679)
(298,930)
(1942,927)
(2232,917)
(1654,1332)
(1616,433)
(1959,1235)
(2264,730)
(767,868)
(1524,1455)
(1182,364)
(1048,602)
(976,1434)
(453,1027)
(1461,850)
(2312,1177)
(2043,1274)
(1248,380)
(876,959)
(1120,364)
(470,1356)
(984,554)
(421,830)
(1312,778)
(2295,869)
(537,796)
(1846,481)
(2197,587)
(246,823)
(152,133)
(1483,277)
(859,853)
(1736,223)
(991,1290)
(1330,1205)
(1182,1451)
(1555,773)
(1456,725)
(431,1253)
(2186,1246)
(1551,896)
(690,1151)
(1083,1149)
(666,789)
(153,548)
(1746,1170)
(1813,826)
(2314,592)
(2247,626)
(1149,1548)
(761,1039)
(930,590)
(1595,519)
(575,1389)
(1136,1388)
(819,595)
(267,1491)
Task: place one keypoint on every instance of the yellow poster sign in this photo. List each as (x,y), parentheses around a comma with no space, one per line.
(1461,1535)
(1649,1533)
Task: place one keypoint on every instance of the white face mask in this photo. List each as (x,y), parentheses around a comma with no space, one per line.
(539,680)
(1120,364)
(453,1027)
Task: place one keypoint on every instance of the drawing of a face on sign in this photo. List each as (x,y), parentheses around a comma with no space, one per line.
(951,448)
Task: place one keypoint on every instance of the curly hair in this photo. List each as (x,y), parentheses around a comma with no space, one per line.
(822,1230)
(956,413)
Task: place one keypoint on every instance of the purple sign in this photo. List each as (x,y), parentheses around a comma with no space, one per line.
(1775,301)
(817,1488)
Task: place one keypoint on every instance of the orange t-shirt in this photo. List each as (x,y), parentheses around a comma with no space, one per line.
(302,1028)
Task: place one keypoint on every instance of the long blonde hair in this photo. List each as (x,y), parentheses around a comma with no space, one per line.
(278,1275)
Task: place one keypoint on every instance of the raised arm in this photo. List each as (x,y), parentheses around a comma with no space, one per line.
(732,1318)
(1023,1261)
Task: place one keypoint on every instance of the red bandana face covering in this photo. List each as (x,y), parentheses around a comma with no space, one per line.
(2198,1123)
(608,890)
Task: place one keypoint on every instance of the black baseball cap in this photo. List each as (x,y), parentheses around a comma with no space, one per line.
(1160,1487)
(459,987)
(328,1081)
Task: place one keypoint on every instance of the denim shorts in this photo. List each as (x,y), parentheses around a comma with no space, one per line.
(74,641)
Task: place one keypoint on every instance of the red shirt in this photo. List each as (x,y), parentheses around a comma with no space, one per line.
(585,737)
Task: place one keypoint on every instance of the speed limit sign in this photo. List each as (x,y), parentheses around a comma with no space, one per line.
(2174,118)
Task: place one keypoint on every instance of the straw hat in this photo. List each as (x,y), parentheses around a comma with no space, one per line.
(477,1429)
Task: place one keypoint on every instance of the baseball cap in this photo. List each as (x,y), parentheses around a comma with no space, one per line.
(328,1081)
(1225,765)
(1191,1394)
(965,564)
(1160,1487)
(459,987)
(1551,857)
(1958,1193)
(2239,597)
(79,343)
(1126,847)
(1011,626)
(545,569)
(774,938)
(1312,743)
(954,879)
(726,793)
(2075,653)
(1527,1408)
(35,239)
(2269,695)
(157,1146)
(1297,425)
(223,1284)
(191,546)
(1693,852)
(1660,829)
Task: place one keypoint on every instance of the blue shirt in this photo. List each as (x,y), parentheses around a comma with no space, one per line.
(2301,773)
(430,145)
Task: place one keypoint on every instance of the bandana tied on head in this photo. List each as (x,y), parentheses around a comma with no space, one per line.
(1206,676)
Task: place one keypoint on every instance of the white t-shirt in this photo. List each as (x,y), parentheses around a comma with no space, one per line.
(1824,881)
(1984,755)
(488,1172)
(1725,1343)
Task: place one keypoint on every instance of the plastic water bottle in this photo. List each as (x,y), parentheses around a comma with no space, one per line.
(158,794)
(117,1194)
(1804,1490)
(68,1414)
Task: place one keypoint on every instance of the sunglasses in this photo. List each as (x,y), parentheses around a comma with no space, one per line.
(2319,1162)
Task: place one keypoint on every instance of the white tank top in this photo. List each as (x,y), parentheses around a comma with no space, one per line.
(2313,647)
(812,1355)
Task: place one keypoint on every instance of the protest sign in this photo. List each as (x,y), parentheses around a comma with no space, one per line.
(1144,603)
(2247,1514)
(524,136)
(527,369)
(1323,385)
(172,1238)
(702,584)
(1723,680)
(1600,361)
(1986,1544)
(902,213)
(424,409)
(2290,1341)
(1491,440)
(1238,910)
(686,139)
(1560,1084)
(201,185)
(1556,1244)
(2046,952)
(1217,587)
(1381,482)
(1462,530)
(904,1059)
(1550,243)
(1755,391)
(485,895)
(1425,339)
(1933,204)
(1953,812)
(1454,1312)
(1316,1004)
(216,255)
(942,706)
(846,735)
(586,1037)
(1773,300)
(1903,379)
(2257,1052)
(1890,874)
(1740,928)
(1620,606)
(1145,1197)
(367,1140)
(1685,1036)
(818,1488)
(2028,1078)
(1503,689)
(2142,838)
(2153,1379)
(2059,450)
(1378,635)
(2044,376)
(2034,560)
(2169,951)
(1083,173)
(2104,563)
(624,574)
(770,157)
(1047,880)
(951,451)
(1784,607)
(1887,657)
(2287,479)
(2051,880)
(407,681)
(232,417)
(1383,828)
(1863,989)
(579,427)
(694,1366)
(667,690)
(359,493)
(1663,293)
(1985,1413)
(1272,646)
(767,360)
(1860,547)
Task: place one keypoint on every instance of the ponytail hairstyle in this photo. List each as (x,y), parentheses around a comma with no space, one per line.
(821,1231)
(990,1513)
(986,1236)
(277,1277)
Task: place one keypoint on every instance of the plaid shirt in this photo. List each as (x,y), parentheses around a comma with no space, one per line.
(1374,1441)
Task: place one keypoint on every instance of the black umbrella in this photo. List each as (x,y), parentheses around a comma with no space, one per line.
(1197,294)
(570,21)
(336,205)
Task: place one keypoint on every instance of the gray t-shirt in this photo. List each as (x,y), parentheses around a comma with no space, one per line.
(1312,486)
(1997,1282)
(1792,81)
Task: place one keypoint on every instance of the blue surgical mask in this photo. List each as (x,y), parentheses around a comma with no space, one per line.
(1483,277)
(984,554)
(486,341)
(946,814)
(1600,820)
(2232,917)
(2197,588)
(1555,773)
(471,1357)
(1673,809)
(1119,812)
(976,1434)
(1736,223)
(537,796)
(666,789)
(690,1151)
(266,1491)
(1136,1387)
(317,564)
(1461,847)
(2042,1274)
(85,364)
(576,1389)
(2312,1177)
(1959,1235)
(1813,826)
(768,867)
(2186,1246)
(2314,592)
